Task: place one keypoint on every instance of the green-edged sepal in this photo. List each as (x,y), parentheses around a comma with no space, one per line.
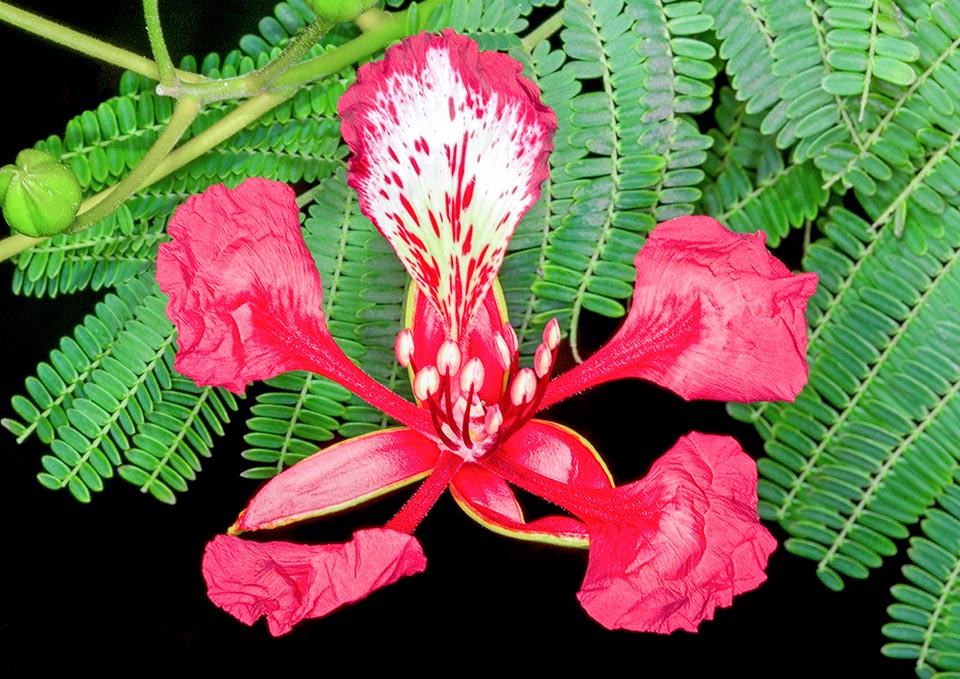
(340,477)
(548,449)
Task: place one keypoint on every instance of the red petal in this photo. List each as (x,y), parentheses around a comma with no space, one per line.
(714,315)
(691,542)
(288,583)
(545,448)
(341,476)
(450,147)
(246,296)
(242,285)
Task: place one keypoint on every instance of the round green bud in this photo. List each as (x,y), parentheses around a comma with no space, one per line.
(39,195)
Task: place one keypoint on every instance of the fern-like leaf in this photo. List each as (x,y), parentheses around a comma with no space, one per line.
(926,617)
(869,445)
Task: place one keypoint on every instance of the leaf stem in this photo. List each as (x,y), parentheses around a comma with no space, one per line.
(543,31)
(165,68)
(15,244)
(183,116)
(388,28)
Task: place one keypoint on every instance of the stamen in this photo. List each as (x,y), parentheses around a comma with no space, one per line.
(426,383)
(510,336)
(503,352)
(494,420)
(403,347)
(448,358)
(471,377)
(524,387)
(551,334)
(543,361)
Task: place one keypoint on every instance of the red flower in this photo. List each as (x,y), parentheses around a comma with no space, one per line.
(450,146)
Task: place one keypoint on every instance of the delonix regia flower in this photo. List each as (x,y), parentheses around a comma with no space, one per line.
(449,149)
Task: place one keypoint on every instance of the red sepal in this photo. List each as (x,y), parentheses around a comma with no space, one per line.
(544,448)
(341,476)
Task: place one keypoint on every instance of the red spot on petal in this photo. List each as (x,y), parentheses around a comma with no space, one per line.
(409,208)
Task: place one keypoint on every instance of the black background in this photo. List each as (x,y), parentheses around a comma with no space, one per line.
(116,584)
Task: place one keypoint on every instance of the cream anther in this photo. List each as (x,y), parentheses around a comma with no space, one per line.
(471,377)
(494,420)
(403,347)
(448,358)
(543,361)
(503,352)
(426,383)
(524,387)
(551,334)
(510,336)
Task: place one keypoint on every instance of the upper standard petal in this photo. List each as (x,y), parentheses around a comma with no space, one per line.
(449,147)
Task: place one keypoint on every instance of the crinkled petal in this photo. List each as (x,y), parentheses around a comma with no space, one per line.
(450,147)
(244,291)
(341,476)
(688,540)
(246,296)
(714,315)
(288,583)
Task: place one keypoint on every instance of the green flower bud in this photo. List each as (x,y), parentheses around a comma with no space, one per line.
(39,195)
(340,10)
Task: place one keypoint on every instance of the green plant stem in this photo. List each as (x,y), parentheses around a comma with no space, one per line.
(79,42)
(298,48)
(225,128)
(359,48)
(165,67)
(15,244)
(183,116)
(251,84)
(543,31)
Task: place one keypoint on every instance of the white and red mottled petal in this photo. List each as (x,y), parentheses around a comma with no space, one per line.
(450,147)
